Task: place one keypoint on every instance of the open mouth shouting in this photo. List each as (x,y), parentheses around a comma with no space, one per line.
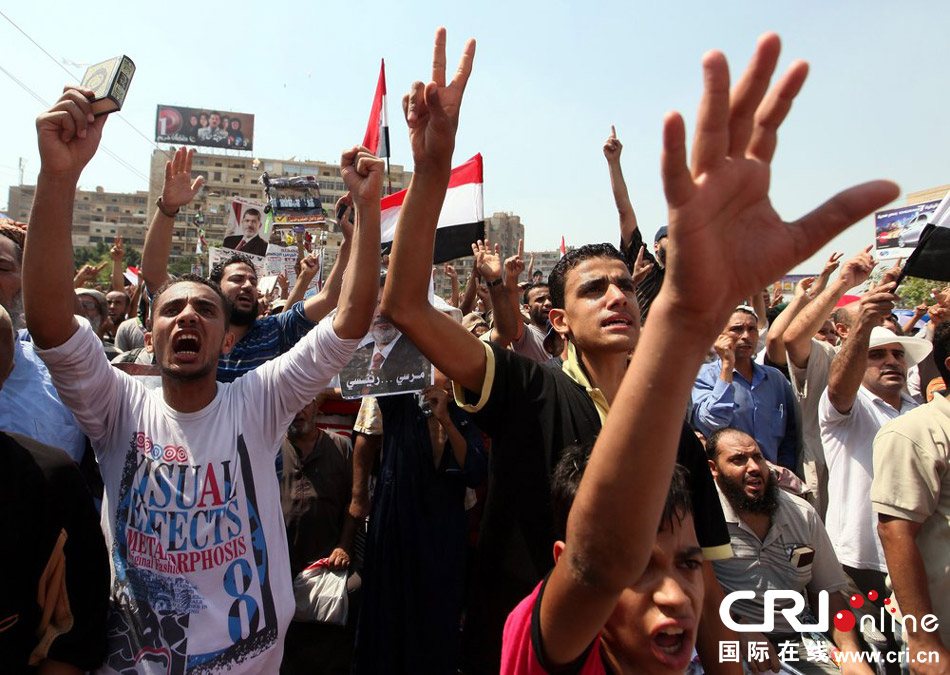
(672,645)
(186,345)
(244,300)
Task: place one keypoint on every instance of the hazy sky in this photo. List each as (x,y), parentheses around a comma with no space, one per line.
(549,80)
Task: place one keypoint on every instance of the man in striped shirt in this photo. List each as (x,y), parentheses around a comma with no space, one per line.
(256,340)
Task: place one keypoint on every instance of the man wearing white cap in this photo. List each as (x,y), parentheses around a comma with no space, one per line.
(866,389)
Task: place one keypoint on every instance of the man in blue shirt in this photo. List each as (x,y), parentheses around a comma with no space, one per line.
(29,404)
(256,340)
(735,392)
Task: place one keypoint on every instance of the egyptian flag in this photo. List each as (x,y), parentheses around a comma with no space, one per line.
(563,248)
(931,258)
(377,131)
(131,275)
(462,221)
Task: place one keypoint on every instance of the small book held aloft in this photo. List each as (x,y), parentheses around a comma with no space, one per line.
(109,81)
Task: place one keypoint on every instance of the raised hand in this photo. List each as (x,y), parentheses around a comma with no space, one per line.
(858,269)
(88,273)
(283,283)
(640,268)
(726,240)
(776,296)
(179,188)
(822,281)
(832,264)
(450,272)
(514,266)
(309,266)
(487,263)
(803,286)
(612,146)
(69,134)
(116,251)
(432,110)
(362,173)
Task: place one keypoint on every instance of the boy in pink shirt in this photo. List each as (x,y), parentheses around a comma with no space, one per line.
(654,621)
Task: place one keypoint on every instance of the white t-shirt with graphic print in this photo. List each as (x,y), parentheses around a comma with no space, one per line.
(191,511)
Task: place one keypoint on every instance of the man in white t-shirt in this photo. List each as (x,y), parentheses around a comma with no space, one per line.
(809,360)
(865,391)
(191,511)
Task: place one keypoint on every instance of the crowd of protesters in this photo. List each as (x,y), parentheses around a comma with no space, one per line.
(598,459)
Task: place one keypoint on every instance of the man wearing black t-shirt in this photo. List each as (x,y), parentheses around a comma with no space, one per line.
(532,413)
(55,590)
(719,214)
(631,239)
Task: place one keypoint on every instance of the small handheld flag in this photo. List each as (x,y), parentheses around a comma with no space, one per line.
(377,130)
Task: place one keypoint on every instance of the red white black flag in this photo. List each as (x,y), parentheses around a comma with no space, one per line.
(377,131)
(462,221)
(931,257)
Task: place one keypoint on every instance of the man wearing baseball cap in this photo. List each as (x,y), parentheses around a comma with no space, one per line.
(866,389)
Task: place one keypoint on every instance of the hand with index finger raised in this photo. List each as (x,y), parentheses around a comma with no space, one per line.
(612,146)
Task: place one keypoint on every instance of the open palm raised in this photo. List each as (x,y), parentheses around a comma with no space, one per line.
(726,240)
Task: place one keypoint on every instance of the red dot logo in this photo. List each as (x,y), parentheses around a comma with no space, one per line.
(857,601)
(872,595)
(844,621)
(887,601)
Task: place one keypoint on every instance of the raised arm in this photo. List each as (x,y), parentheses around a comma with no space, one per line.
(453,276)
(68,136)
(774,342)
(177,191)
(507,319)
(822,282)
(847,369)
(758,304)
(117,280)
(467,303)
(363,175)
(432,112)
(803,328)
(323,302)
(720,218)
(628,218)
(309,266)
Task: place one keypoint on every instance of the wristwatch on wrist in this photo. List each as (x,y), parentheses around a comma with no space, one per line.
(161,207)
(497,282)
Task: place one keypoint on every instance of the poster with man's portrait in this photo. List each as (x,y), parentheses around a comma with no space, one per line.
(385,363)
(245,224)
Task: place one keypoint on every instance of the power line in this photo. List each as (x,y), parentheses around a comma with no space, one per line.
(106,150)
(73,76)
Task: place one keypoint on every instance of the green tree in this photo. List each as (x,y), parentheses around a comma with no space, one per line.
(914,290)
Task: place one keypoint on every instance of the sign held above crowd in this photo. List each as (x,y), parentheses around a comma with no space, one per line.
(205,127)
